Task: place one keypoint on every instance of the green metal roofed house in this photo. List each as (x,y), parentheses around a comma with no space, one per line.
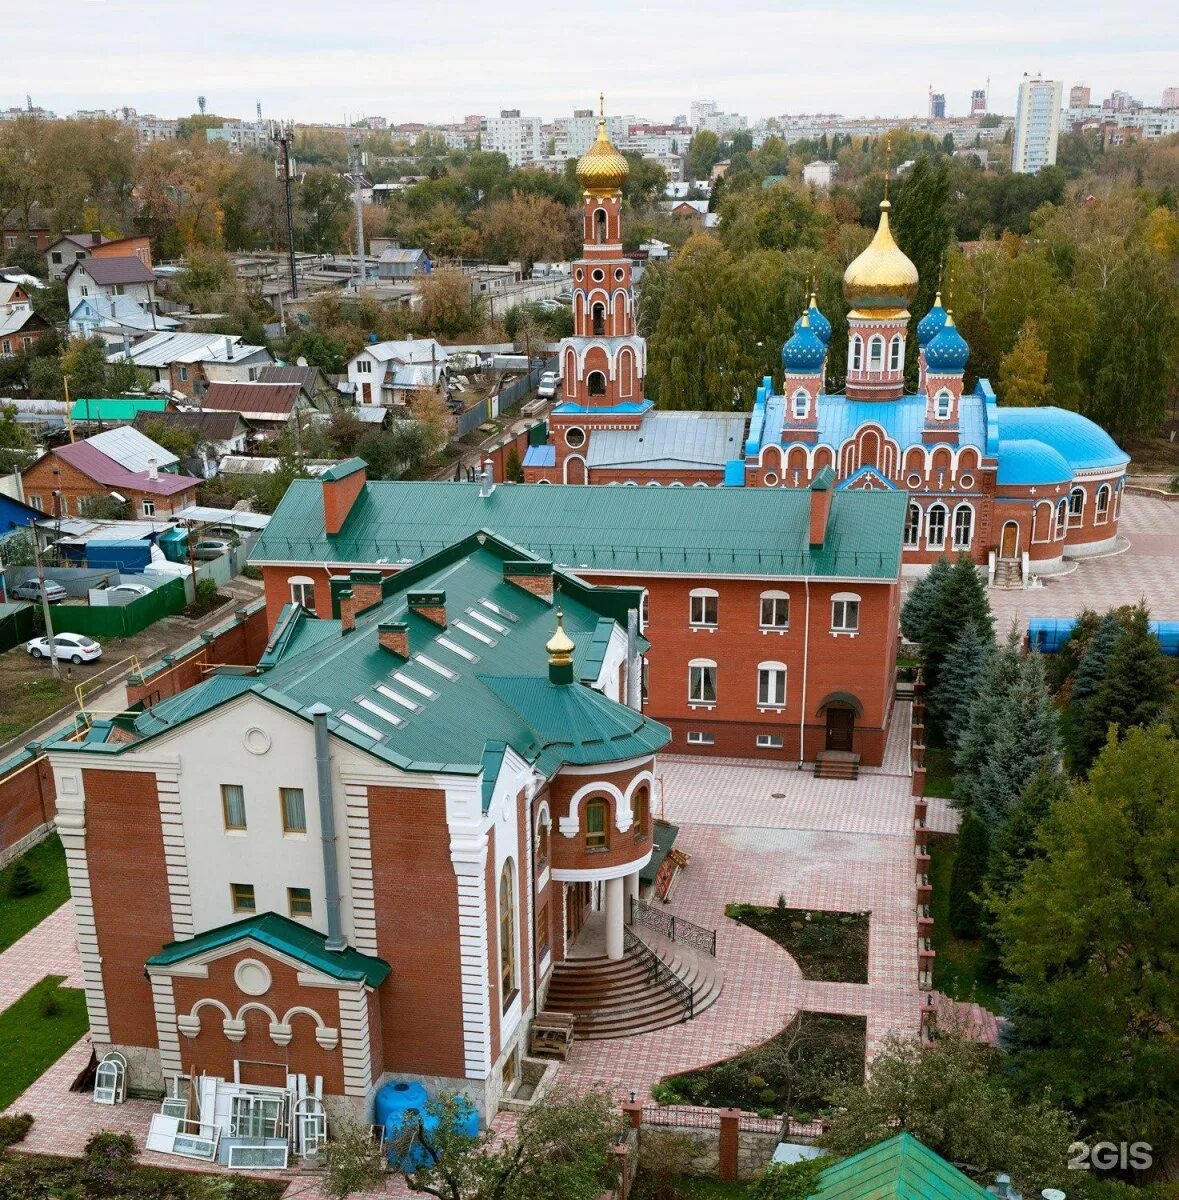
(369,856)
(901,1168)
(116,410)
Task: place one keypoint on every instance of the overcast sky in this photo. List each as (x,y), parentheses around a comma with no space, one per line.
(442,59)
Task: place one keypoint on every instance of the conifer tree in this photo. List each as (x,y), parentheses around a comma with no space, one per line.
(1087,723)
(960,601)
(915,610)
(958,682)
(1014,844)
(966,880)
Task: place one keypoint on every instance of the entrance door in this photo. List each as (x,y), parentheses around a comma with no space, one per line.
(840,727)
(1009,547)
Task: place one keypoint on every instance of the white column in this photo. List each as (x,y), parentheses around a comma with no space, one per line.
(614,918)
(632,892)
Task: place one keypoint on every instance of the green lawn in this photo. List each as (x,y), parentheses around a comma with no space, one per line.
(32,1038)
(958,962)
(18,914)
(26,702)
(939,772)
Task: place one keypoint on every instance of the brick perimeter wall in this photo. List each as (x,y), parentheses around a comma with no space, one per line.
(28,802)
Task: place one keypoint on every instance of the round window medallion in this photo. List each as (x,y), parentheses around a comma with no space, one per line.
(914,480)
(599,275)
(771,479)
(255,740)
(575,437)
(967,481)
(580,273)
(252,977)
(619,274)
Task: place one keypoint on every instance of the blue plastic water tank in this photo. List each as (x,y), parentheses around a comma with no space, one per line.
(400,1097)
(1167,633)
(1048,634)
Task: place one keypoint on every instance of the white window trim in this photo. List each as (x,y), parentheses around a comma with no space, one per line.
(943,405)
(876,342)
(773,594)
(704,664)
(770,741)
(954,540)
(800,404)
(697,737)
(845,598)
(915,542)
(703,594)
(930,544)
(896,353)
(775,705)
(857,353)
(1076,517)
(1100,514)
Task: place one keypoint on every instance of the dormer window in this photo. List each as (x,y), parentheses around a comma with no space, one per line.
(857,354)
(895,353)
(943,402)
(801,405)
(876,354)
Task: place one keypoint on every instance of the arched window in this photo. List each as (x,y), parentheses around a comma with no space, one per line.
(507,935)
(596,383)
(935,527)
(645,611)
(597,825)
(771,685)
(600,226)
(703,607)
(626,371)
(1076,507)
(845,612)
(598,313)
(775,610)
(1061,519)
(303,592)
(963,526)
(895,353)
(542,841)
(857,353)
(1101,514)
(702,681)
(802,404)
(641,804)
(876,353)
(913,525)
(942,404)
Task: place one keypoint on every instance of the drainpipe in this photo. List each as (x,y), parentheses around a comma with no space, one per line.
(327,828)
(806,647)
(634,695)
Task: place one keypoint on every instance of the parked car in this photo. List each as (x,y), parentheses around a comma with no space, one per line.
(76,647)
(31,590)
(210,548)
(547,388)
(129,589)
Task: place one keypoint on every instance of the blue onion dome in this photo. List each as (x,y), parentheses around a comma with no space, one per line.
(804,352)
(948,351)
(819,323)
(931,324)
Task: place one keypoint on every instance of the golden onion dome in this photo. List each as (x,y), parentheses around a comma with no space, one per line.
(602,168)
(560,646)
(883,276)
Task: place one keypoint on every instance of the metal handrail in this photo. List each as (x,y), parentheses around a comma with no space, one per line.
(659,972)
(687,933)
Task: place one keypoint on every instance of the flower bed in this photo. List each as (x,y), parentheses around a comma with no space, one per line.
(829,946)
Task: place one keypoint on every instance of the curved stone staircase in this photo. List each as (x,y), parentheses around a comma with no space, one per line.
(619,998)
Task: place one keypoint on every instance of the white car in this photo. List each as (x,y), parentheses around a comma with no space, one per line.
(547,388)
(76,647)
(129,589)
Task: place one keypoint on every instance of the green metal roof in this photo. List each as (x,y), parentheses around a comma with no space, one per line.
(116,408)
(342,470)
(466,692)
(720,531)
(287,937)
(900,1168)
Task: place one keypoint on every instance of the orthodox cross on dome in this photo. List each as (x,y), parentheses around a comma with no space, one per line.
(601,106)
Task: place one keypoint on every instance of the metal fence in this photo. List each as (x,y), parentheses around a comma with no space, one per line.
(120,620)
(675,928)
(507,398)
(687,1116)
(659,972)
(18,623)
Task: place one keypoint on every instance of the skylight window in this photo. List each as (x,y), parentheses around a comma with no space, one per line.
(377,711)
(471,631)
(499,610)
(361,727)
(476,615)
(398,698)
(455,648)
(413,685)
(438,668)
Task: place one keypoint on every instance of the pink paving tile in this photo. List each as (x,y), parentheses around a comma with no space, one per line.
(50,948)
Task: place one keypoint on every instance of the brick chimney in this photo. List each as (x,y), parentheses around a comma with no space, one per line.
(342,484)
(532,576)
(347,611)
(394,637)
(821,489)
(431,605)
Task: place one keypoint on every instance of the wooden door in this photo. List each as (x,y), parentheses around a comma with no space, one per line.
(840,728)
(1010,544)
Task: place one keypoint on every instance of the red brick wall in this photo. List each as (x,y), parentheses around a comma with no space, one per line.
(129,884)
(52,473)
(28,799)
(212,1052)
(239,645)
(571,853)
(416,897)
(277,590)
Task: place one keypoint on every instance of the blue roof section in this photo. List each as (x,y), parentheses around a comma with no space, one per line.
(1084,445)
(1024,460)
(618,410)
(540,456)
(735,472)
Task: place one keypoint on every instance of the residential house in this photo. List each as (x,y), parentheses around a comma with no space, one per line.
(820,174)
(20,327)
(71,248)
(696,212)
(389,373)
(122,463)
(400,263)
(14,234)
(185,363)
(115,317)
(267,409)
(126,276)
(115,410)
(311,379)
(215,434)
(367,859)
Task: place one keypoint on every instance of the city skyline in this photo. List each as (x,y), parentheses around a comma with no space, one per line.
(485,60)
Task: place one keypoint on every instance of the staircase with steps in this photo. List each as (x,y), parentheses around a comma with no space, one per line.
(966,1018)
(837,764)
(613,998)
(1008,574)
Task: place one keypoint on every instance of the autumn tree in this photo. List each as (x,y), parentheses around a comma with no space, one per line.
(325,200)
(529,228)
(1023,370)
(447,305)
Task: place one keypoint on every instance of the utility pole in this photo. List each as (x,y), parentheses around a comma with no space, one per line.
(65,383)
(358,165)
(40,569)
(285,134)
